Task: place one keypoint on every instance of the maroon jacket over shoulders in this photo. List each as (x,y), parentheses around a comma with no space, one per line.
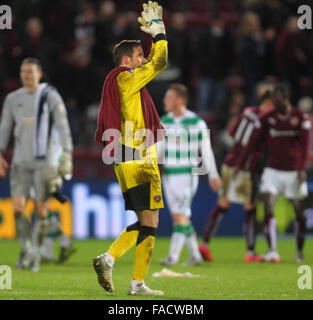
(109,116)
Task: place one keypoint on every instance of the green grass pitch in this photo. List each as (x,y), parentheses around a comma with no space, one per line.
(228,277)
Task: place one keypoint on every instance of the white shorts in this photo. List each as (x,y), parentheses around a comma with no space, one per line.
(239,189)
(279,182)
(179,191)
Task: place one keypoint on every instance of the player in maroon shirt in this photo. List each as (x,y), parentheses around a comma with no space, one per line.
(286,131)
(241,189)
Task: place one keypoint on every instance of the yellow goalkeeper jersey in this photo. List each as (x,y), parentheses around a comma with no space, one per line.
(130,82)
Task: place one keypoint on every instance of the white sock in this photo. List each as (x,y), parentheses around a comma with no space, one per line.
(136,283)
(177,242)
(64,241)
(47,251)
(272,231)
(109,259)
(192,246)
(39,233)
(23,232)
(250,252)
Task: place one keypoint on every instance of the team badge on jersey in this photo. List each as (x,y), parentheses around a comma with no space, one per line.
(294,121)
(157,198)
(272,121)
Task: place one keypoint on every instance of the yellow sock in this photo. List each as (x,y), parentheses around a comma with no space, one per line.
(143,252)
(125,241)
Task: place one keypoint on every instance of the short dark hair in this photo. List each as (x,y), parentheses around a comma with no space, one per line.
(181,91)
(283,90)
(124,48)
(32,60)
(264,91)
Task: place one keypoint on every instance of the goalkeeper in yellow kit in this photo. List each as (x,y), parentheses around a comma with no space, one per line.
(125,101)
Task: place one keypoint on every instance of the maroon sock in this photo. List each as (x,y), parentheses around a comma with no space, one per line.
(300,230)
(213,221)
(270,230)
(249,228)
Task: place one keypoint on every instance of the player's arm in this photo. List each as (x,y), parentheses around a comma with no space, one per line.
(132,81)
(253,143)
(233,129)
(6,126)
(61,123)
(305,143)
(208,159)
(152,51)
(151,22)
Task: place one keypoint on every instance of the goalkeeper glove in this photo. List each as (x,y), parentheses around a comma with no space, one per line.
(53,181)
(151,19)
(66,164)
(54,184)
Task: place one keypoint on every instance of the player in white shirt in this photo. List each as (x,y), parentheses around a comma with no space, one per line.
(187,135)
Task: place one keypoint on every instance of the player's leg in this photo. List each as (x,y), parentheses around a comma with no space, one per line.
(216,214)
(191,236)
(250,183)
(54,231)
(300,228)
(47,252)
(42,197)
(103,264)
(175,198)
(23,230)
(297,196)
(179,191)
(250,233)
(272,184)
(124,242)
(269,227)
(20,183)
(192,246)
(178,239)
(148,194)
(39,233)
(149,220)
(141,187)
(214,219)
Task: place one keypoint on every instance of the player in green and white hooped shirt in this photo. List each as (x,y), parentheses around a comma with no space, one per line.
(187,135)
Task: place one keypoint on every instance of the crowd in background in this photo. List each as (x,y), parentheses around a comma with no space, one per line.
(220,49)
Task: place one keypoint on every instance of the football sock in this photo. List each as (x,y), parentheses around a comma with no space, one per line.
(300,230)
(270,231)
(177,242)
(39,233)
(214,219)
(48,248)
(249,228)
(135,283)
(125,241)
(192,243)
(64,241)
(23,228)
(54,229)
(143,252)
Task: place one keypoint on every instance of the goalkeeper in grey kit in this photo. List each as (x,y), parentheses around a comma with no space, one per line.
(37,115)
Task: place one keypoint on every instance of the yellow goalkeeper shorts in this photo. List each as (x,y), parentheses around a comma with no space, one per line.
(140,182)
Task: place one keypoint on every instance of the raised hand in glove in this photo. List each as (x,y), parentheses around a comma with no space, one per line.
(151,19)
(66,164)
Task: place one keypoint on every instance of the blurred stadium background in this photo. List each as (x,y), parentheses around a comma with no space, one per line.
(220,49)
